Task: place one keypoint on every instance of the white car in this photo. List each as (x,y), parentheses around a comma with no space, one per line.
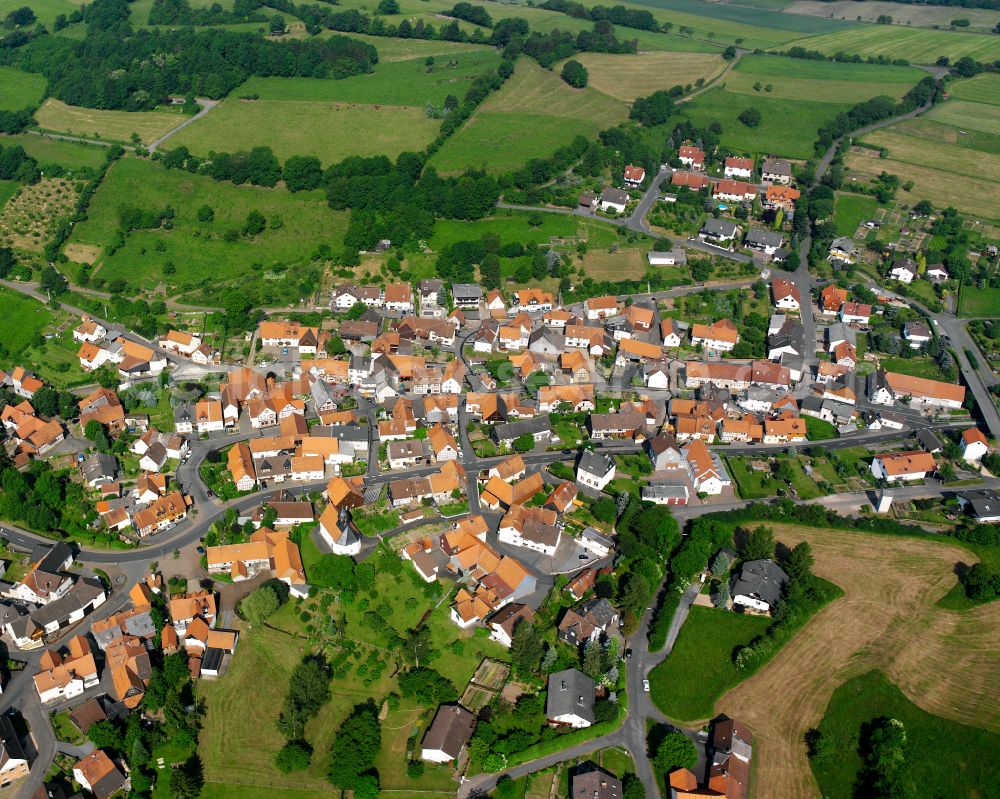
(645,686)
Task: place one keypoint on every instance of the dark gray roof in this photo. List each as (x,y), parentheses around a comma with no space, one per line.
(983,503)
(723,228)
(466,291)
(570,692)
(594,783)
(212,659)
(183,413)
(84,592)
(597,610)
(764,238)
(343,432)
(98,466)
(929,441)
(616,196)
(597,463)
(511,430)
(776,166)
(450,731)
(762,579)
(52,558)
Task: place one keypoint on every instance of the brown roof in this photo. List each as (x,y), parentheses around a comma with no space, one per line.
(450,731)
(900,463)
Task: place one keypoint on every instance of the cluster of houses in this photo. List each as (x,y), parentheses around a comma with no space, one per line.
(99,346)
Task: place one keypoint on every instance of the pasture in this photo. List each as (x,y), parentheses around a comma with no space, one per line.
(45,10)
(626,77)
(67,154)
(118,126)
(199,251)
(919,45)
(406,83)
(20,89)
(797,79)
(531,116)
(918,15)
(980,89)
(943,757)
(329,131)
(892,624)
(392,49)
(967,115)
(788,127)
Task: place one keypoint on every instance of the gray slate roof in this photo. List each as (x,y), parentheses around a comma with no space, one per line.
(720,228)
(596,463)
(762,579)
(570,692)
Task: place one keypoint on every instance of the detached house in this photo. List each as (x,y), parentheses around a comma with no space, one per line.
(775,170)
(587,621)
(787,296)
(758,586)
(692,157)
(448,734)
(734,191)
(531,528)
(738,168)
(612,199)
(570,699)
(720,336)
(903,466)
(855,313)
(765,241)
(904,270)
(974,445)
(595,470)
(722,232)
(634,175)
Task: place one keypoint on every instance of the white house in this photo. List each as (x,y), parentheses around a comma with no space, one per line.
(674,257)
(903,466)
(904,270)
(570,699)
(530,530)
(855,313)
(448,734)
(738,168)
(613,200)
(787,296)
(595,470)
(916,334)
(974,445)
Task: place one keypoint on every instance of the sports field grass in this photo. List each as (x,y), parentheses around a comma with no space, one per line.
(67,154)
(626,77)
(329,131)
(788,127)
(198,250)
(980,89)
(407,83)
(45,10)
(119,126)
(919,45)
(20,89)
(944,758)
(700,667)
(534,113)
(918,15)
(851,210)
(892,624)
(798,79)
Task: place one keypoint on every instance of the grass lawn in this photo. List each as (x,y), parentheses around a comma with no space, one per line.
(66,154)
(979,302)
(851,210)
(65,729)
(819,429)
(944,758)
(914,44)
(616,760)
(942,155)
(392,49)
(920,366)
(199,251)
(218,790)
(788,127)
(626,77)
(700,668)
(56,116)
(375,523)
(534,113)
(805,487)
(800,79)
(20,89)
(325,130)
(964,114)
(26,322)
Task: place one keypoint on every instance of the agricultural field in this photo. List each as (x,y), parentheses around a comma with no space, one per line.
(626,77)
(919,45)
(391,49)
(892,624)
(788,127)
(20,89)
(798,79)
(699,669)
(947,164)
(531,116)
(851,210)
(943,757)
(29,218)
(118,126)
(979,302)
(917,15)
(200,252)
(67,154)
(980,89)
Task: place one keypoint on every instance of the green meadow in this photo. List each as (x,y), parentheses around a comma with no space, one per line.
(919,45)
(67,154)
(45,10)
(199,251)
(20,89)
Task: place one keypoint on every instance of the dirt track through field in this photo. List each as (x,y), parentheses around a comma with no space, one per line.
(944,661)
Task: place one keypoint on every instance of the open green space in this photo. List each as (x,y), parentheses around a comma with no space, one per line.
(980,89)
(799,79)
(819,429)
(944,758)
(407,83)
(118,126)
(787,127)
(851,210)
(67,154)
(919,366)
(199,251)
(921,15)
(751,483)
(534,114)
(919,45)
(699,669)
(392,49)
(20,89)
(329,131)
(39,339)
(7,190)
(979,302)
(45,10)
(982,117)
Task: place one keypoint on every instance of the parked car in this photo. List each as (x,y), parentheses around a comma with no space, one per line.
(645,686)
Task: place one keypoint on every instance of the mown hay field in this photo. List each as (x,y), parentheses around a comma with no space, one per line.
(919,45)
(56,116)
(626,77)
(918,15)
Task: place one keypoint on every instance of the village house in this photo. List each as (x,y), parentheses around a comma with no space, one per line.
(691,157)
(781,198)
(855,313)
(720,336)
(587,622)
(634,175)
(161,514)
(917,334)
(66,676)
(831,298)
(765,241)
(758,586)
(842,250)
(776,170)
(531,300)
(694,181)
(738,168)
(601,307)
(705,468)
(13,760)
(884,388)
(267,550)
(448,734)
(613,200)
(98,774)
(531,528)
(723,232)
(89,331)
(786,294)
(595,470)
(974,445)
(903,466)
(504,622)
(570,699)
(734,191)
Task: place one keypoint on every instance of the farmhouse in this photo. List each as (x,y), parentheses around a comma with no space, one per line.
(531,528)
(885,387)
(267,550)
